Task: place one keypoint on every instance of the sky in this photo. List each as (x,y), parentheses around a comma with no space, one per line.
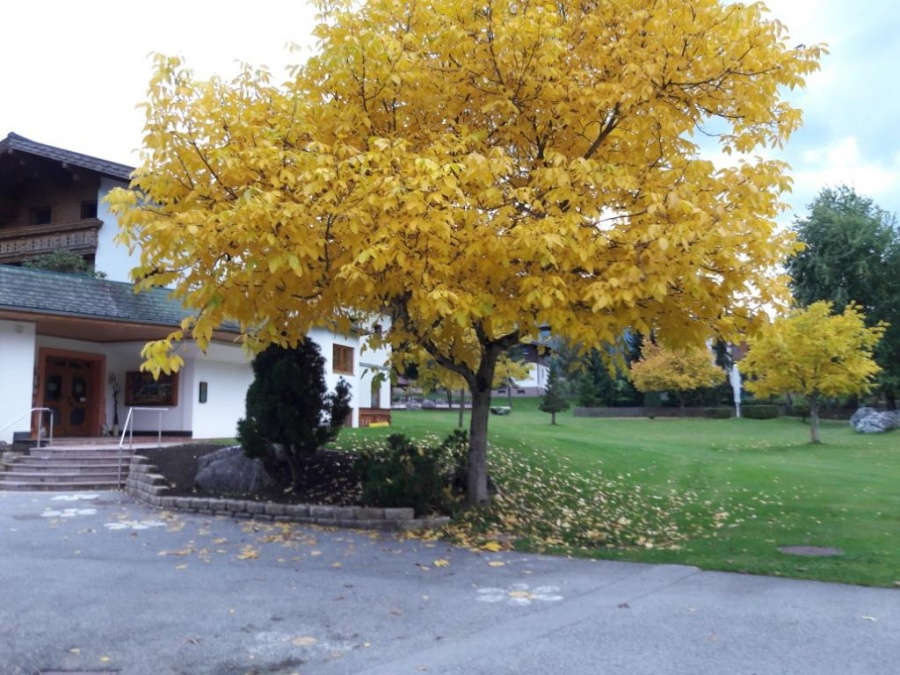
(73,73)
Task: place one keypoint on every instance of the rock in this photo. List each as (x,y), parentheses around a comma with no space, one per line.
(229,471)
(871,421)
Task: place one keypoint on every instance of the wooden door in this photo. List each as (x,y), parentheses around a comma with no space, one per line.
(69,390)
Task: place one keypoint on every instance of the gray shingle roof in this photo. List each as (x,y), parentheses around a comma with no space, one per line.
(20,143)
(54,293)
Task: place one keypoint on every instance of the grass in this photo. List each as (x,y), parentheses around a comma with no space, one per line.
(718,494)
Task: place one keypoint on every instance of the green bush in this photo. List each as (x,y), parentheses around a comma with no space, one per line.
(719,413)
(760,412)
(406,473)
(799,410)
(290,412)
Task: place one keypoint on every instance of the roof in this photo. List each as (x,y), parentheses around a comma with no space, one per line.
(15,143)
(68,295)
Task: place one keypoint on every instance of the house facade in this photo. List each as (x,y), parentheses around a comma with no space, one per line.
(72,344)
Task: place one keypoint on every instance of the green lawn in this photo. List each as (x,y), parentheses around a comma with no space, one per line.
(719,494)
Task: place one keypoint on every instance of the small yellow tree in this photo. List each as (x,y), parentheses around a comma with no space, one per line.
(677,370)
(816,354)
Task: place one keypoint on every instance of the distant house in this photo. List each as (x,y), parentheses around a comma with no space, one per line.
(72,343)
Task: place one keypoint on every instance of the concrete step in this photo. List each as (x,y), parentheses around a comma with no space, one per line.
(75,457)
(32,486)
(61,477)
(49,468)
(54,463)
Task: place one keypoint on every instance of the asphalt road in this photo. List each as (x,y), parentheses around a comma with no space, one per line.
(94,582)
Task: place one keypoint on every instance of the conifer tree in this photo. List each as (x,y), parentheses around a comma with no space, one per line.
(289,406)
(554,401)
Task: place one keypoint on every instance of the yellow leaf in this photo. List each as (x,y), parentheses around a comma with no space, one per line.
(441,562)
(492,546)
(496,563)
(304,641)
(248,553)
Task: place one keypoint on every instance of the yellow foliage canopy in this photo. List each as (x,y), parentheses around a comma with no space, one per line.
(476,166)
(678,370)
(814,353)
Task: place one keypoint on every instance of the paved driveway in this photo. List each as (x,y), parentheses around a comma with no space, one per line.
(96,582)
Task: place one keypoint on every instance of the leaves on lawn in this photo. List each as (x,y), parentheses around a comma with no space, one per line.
(545,504)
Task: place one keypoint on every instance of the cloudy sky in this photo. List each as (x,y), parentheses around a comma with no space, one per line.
(71,74)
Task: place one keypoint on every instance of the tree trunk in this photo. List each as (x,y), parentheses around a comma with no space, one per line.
(480,388)
(553,417)
(462,406)
(814,422)
(477,487)
(509,392)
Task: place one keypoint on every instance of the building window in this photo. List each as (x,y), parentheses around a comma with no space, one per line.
(88,210)
(342,359)
(41,215)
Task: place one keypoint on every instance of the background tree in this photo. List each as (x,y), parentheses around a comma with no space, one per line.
(554,400)
(851,256)
(596,386)
(815,354)
(675,370)
(476,171)
(65,262)
(288,404)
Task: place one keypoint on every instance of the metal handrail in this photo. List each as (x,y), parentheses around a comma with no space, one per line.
(129,429)
(31,412)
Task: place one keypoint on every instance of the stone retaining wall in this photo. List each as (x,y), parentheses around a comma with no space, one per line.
(147,486)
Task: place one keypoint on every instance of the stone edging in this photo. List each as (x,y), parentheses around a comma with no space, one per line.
(150,488)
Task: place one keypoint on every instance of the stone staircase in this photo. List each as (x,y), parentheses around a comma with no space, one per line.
(66,467)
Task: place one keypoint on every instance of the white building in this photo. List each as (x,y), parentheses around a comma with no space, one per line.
(72,343)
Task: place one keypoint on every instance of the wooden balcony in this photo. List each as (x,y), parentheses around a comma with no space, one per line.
(25,242)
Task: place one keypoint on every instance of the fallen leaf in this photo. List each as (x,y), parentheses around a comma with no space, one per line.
(337,564)
(496,563)
(868,618)
(442,562)
(104,659)
(75,650)
(304,641)
(248,553)
(180,567)
(220,540)
(492,546)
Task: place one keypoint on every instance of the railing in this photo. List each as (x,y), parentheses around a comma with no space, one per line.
(129,430)
(22,243)
(40,423)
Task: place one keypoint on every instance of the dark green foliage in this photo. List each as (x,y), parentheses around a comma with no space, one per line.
(64,261)
(720,413)
(290,412)
(429,478)
(852,255)
(760,411)
(553,401)
(595,385)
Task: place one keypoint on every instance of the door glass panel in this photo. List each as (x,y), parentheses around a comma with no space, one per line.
(77,417)
(79,389)
(54,388)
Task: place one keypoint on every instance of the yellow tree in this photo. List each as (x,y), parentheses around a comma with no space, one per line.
(475,169)
(678,370)
(816,354)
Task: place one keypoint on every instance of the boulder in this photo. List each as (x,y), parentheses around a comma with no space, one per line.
(230,471)
(871,421)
